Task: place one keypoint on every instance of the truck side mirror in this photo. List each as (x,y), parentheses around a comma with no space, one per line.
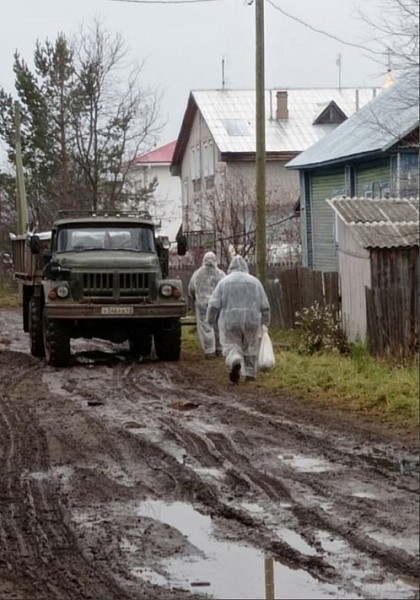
(35,244)
(182,245)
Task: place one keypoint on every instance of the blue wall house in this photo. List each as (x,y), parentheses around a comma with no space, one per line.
(373,154)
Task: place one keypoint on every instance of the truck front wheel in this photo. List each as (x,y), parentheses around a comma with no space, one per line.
(56,342)
(36,336)
(168,341)
(141,345)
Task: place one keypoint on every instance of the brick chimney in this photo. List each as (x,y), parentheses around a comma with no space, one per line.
(282,111)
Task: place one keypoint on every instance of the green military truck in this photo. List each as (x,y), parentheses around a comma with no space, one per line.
(98,275)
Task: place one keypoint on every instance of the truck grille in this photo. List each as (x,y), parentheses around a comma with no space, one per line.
(117,286)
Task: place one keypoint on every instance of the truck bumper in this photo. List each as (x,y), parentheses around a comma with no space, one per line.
(115,311)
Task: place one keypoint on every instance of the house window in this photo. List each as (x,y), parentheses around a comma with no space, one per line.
(368,190)
(208,159)
(195,163)
(349,181)
(338,192)
(209,183)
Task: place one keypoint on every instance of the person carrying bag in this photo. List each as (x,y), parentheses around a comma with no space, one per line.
(266,357)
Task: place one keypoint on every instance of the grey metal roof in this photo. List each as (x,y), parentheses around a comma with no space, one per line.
(387,235)
(230,117)
(375,127)
(385,223)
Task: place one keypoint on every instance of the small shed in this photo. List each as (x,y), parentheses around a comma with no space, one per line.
(378,244)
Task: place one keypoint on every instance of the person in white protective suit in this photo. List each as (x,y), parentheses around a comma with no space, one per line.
(200,288)
(241,306)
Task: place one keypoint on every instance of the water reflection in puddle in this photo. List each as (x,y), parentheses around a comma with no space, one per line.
(229,570)
(306,464)
(366,495)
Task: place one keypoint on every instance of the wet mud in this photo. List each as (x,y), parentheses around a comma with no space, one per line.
(122,478)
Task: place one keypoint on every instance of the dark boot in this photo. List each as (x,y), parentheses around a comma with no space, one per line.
(235,371)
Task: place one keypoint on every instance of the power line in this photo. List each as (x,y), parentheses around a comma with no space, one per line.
(163,1)
(321,31)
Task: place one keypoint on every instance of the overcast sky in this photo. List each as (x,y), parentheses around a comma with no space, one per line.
(183,44)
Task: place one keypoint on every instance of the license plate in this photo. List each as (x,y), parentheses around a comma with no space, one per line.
(117,310)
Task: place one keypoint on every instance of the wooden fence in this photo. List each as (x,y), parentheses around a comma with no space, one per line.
(392,321)
(298,288)
(289,290)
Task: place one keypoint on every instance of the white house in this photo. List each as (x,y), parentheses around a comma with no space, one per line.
(165,206)
(214,156)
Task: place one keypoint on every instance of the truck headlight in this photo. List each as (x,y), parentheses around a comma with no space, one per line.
(63,291)
(166,290)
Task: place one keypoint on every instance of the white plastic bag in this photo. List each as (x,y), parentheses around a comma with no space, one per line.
(266,358)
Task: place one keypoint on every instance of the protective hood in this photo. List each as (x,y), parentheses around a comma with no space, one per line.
(209,260)
(238,264)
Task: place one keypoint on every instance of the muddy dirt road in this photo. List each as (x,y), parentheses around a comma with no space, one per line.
(145,480)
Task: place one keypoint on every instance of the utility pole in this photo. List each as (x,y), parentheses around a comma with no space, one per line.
(260,143)
(21,206)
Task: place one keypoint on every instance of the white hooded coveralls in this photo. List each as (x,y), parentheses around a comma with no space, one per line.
(200,288)
(241,304)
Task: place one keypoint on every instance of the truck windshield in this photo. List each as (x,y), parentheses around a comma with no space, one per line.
(139,239)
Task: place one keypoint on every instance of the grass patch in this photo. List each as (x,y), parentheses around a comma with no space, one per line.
(356,382)
(9,294)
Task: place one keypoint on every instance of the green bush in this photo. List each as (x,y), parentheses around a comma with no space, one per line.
(321,330)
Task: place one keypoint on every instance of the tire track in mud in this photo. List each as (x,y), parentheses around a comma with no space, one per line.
(308,517)
(224,451)
(141,444)
(50,565)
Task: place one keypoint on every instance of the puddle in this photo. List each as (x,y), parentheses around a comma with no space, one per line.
(63,472)
(229,570)
(306,464)
(211,472)
(295,541)
(366,495)
(252,507)
(330,543)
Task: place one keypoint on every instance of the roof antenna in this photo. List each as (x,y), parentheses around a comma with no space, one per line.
(338,63)
(223,73)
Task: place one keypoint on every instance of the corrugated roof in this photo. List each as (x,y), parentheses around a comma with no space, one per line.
(385,223)
(387,235)
(163,154)
(375,127)
(230,117)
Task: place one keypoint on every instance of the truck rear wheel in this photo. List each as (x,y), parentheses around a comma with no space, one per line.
(168,341)
(36,336)
(56,342)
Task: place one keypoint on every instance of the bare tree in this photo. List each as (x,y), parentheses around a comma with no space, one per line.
(230,211)
(85,116)
(396,33)
(112,117)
